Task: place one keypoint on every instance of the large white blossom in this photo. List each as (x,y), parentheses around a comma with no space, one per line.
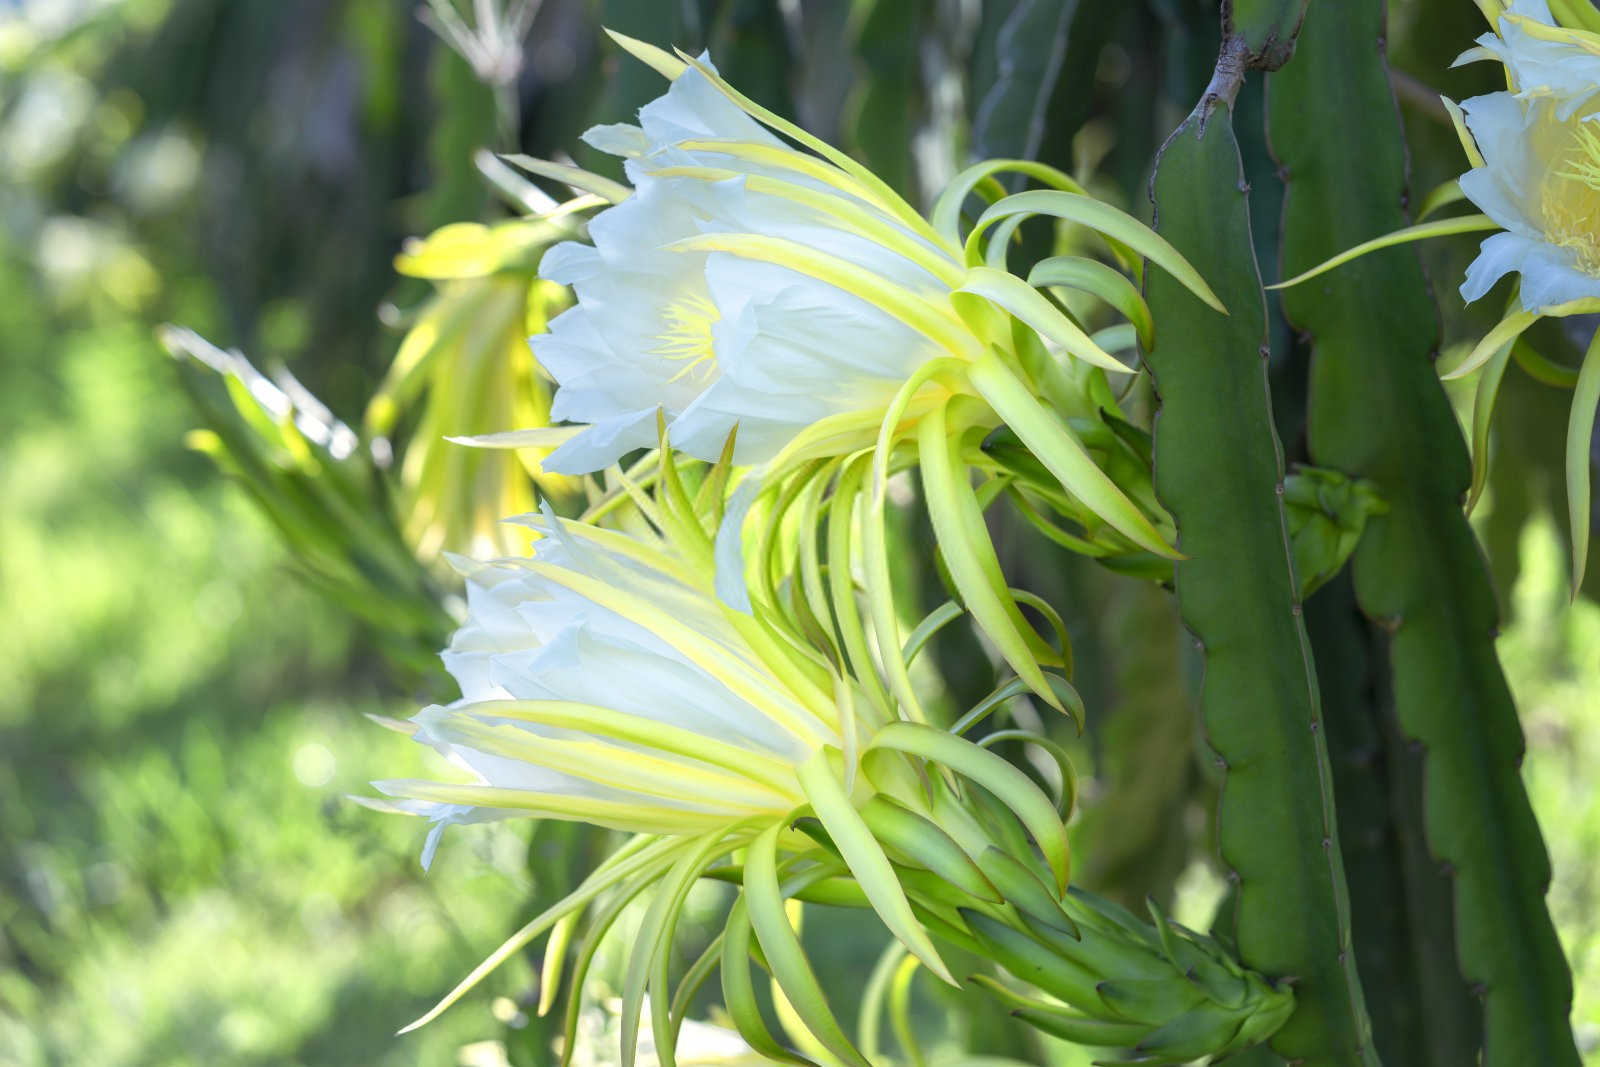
(709,338)
(1540,179)
(600,681)
(1542,59)
(1539,175)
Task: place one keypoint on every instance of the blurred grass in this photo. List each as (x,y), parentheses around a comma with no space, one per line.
(1551,653)
(182,880)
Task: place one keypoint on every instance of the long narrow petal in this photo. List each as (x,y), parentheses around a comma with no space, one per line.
(1014,789)
(968,552)
(847,209)
(653,940)
(1047,436)
(790,968)
(606,189)
(1104,219)
(1420,232)
(929,319)
(1580,431)
(739,676)
(1483,399)
(659,60)
(1107,283)
(877,188)
(640,859)
(1028,305)
(866,860)
(1504,333)
(946,214)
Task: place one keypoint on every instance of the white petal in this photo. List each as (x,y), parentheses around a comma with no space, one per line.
(1550,276)
(694,109)
(617,139)
(570,262)
(603,443)
(1498,256)
(730,583)
(1505,187)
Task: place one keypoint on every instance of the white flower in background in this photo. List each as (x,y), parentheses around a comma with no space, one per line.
(712,338)
(1540,179)
(1536,156)
(599,682)
(1543,60)
(1537,150)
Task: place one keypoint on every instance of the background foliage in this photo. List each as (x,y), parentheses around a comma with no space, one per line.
(181,878)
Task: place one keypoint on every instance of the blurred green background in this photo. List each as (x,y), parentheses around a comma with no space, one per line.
(182,879)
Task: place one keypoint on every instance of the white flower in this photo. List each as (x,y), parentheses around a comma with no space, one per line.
(1540,179)
(710,338)
(600,682)
(1541,58)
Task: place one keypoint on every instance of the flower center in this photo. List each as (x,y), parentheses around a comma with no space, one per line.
(686,337)
(1570,199)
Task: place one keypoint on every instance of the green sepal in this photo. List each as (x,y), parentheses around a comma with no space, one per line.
(1107,283)
(865,858)
(1013,788)
(790,968)
(739,992)
(1190,1036)
(1121,230)
(1154,1001)
(1032,962)
(1327,513)
(925,844)
(1023,891)
(969,553)
(1580,431)
(1081,1030)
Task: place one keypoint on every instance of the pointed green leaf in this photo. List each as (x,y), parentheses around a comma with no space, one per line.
(606,189)
(963,541)
(739,993)
(653,941)
(790,968)
(923,842)
(1025,302)
(1580,431)
(1419,232)
(1483,399)
(1504,333)
(1013,788)
(1442,195)
(641,859)
(1047,436)
(1105,282)
(1106,220)
(866,860)
(662,62)
(946,213)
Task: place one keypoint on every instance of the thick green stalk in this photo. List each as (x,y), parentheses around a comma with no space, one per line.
(1400,901)
(1219,470)
(1378,412)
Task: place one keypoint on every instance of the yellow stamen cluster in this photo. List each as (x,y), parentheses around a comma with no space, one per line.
(687,336)
(1570,198)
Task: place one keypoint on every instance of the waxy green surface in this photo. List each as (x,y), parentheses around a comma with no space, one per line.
(1377,411)
(1219,470)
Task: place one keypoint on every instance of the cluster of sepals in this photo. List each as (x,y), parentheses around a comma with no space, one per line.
(939,836)
(771,584)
